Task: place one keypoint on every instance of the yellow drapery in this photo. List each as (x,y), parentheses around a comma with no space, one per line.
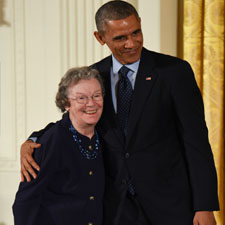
(201,43)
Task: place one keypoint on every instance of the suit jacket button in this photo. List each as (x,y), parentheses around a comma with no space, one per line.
(127,155)
(92,198)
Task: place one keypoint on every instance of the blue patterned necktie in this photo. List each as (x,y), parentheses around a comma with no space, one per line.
(124,96)
(131,189)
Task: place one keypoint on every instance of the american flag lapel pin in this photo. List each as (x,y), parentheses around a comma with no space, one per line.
(148,78)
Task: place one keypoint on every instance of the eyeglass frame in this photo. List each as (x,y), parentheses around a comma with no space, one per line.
(87,98)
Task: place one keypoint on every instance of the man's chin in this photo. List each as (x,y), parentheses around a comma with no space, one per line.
(131,57)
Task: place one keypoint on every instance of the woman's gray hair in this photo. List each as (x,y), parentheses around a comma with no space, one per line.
(72,77)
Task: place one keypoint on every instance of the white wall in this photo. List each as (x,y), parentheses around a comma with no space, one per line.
(39,41)
(159,25)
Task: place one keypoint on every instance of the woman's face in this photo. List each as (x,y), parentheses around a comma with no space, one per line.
(86,103)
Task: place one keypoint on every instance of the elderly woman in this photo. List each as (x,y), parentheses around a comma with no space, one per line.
(69,187)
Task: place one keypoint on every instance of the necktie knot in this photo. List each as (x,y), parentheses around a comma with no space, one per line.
(124,71)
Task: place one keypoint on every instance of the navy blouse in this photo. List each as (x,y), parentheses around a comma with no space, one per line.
(68,189)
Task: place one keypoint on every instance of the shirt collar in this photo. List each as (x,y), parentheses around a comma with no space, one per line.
(116,65)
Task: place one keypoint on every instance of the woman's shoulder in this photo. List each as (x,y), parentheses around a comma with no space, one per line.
(56,131)
(52,141)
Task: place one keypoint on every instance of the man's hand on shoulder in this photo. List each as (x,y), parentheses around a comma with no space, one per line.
(26,160)
(204,218)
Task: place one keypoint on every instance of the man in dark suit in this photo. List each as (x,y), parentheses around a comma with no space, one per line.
(158,161)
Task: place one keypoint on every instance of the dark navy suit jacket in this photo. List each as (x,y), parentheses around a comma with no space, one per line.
(166,154)
(65,192)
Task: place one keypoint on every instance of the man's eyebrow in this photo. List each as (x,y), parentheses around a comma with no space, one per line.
(122,36)
(118,37)
(136,31)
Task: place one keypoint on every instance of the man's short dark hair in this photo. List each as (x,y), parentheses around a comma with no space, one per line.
(113,10)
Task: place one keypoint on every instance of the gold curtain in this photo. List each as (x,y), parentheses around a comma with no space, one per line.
(201,43)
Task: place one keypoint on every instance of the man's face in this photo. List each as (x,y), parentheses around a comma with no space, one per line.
(124,38)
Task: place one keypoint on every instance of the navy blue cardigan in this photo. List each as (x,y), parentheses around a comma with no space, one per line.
(68,189)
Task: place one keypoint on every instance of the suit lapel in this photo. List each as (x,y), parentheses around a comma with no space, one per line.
(109,119)
(144,83)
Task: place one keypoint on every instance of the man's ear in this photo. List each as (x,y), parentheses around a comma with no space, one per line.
(99,37)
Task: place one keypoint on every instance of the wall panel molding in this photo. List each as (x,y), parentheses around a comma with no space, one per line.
(20,73)
(12,88)
(78,44)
